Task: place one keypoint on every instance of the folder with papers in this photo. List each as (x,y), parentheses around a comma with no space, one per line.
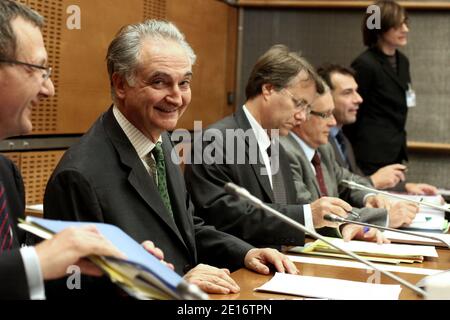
(389,253)
(141,275)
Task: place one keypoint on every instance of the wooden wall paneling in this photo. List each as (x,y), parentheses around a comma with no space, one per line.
(346,4)
(36,168)
(45,117)
(205,24)
(14,157)
(154,9)
(84,87)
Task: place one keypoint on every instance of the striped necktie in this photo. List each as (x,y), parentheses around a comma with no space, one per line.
(6,235)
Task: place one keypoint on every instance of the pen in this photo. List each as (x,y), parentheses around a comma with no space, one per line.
(354,214)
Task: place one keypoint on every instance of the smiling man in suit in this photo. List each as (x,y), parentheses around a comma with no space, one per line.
(24,82)
(122,173)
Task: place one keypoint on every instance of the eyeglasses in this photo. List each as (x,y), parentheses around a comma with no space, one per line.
(45,76)
(323,115)
(299,103)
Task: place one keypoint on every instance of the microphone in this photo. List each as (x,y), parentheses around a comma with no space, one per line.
(335,218)
(240,192)
(354,185)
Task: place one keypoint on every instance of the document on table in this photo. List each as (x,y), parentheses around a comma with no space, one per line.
(405,238)
(329,288)
(359,265)
(395,250)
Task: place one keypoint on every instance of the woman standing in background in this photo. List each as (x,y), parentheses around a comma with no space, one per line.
(383,77)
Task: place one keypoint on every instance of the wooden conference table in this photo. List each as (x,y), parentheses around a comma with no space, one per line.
(248,280)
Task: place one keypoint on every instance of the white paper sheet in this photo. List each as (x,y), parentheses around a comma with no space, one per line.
(330,288)
(406,237)
(359,265)
(427,218)
(397,250)
(36,207)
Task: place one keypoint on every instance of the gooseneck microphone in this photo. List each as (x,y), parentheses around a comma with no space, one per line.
(354,185)
(335,218)
(243,193)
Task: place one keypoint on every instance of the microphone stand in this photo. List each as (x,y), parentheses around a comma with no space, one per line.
(354,185)
(334,218)
(240,192)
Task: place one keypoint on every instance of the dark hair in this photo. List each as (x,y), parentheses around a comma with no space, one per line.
(278,66)
(327,69)
(9,10)
(392,15)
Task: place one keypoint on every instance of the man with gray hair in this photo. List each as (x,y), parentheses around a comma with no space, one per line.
(24,82)
(121,170)
(316,173)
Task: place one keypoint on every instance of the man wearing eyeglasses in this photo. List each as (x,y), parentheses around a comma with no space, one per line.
(24,82)
(316,173)
(281,86)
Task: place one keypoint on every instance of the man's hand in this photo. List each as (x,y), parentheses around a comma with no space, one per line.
(157,252)
(327,205)
(378,201)
(356,232)
(259,260)
(212,280)
(402,213)
(421,188)
(69,246)
(388,176)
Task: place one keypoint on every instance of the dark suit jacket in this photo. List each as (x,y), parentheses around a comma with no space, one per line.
(102,179)
(205,182)
(378,136)
(13,281)
(307,187)
(353,166)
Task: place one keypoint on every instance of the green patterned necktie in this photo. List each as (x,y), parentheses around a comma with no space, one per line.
(161,173)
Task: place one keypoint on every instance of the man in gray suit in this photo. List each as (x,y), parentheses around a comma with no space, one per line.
(316,172)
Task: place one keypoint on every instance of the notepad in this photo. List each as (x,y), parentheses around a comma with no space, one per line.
(328,288)
(389,253)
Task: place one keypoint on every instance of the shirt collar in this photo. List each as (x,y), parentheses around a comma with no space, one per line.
(261,135)
(334,131)
(309,152)
(140,142)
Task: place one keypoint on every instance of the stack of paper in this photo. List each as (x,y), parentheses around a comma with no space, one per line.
(405,238)
(330,288)
(389,253)
(141,274)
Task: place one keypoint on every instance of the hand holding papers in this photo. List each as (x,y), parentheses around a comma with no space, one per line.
(141,274)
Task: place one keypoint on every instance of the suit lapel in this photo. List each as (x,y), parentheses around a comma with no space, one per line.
(138,177)
(249,139)
(309,176)
(178,194)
